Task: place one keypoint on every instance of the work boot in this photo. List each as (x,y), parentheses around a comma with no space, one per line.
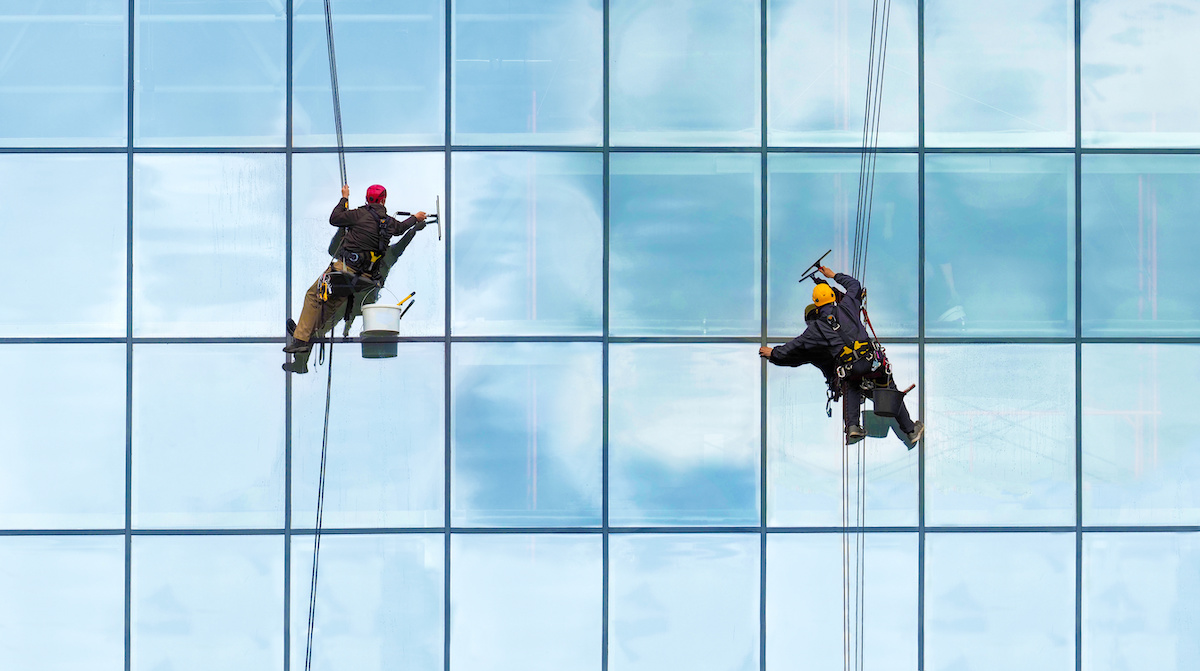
(298,366)
(297,346)
(916,434)
(854,433)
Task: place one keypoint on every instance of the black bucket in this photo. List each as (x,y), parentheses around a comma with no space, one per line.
(887,402)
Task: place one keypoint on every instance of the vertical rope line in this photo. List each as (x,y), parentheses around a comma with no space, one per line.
(312,593)
(333,82)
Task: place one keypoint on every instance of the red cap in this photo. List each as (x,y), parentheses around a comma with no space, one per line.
(376,193)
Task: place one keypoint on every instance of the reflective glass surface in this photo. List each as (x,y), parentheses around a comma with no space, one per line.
(805,600)
(818,54)
(521,602)
(390,68)
(1000,448)
(811,193)
(685,244)
(1001,601)
(209,240)
(1140,602)
(379,602)
(528,244)
(683,434)
(1000,245)
(683,601)
(414,182)
(210,73)
(63,73)
(804,458)
(1139,242)
(207,602)
(386,453)
(671,62)
(88,296)
(62,437)
(528,72)
(1000,73)
(527,421)
(64,603)
(208,439)
(1140,459)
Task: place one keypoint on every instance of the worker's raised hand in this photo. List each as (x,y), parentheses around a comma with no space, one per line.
(765,352)
(345,191)
(826,272)
(419,216)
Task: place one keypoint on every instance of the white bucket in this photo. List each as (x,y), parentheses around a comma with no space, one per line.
(381,319)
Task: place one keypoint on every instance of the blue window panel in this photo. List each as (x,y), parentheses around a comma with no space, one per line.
(684,444)
(415,181)
(385,464)
(817,64)
(1141,463)
(524,601)
(210,74)
(64,603)
(527,423)
(804,457)
(685,244)
(1000,448)
(379,602)
(1139,237)
(528,244)
(208,236)
(1000,245)
(683,601)
(685,73)
(1138,74)
(528,72)
(391,73)
(85,252)
(805,600)
(1140,596)
(62,437)
(1000,73)
(208,436)
(812,207)
(207,602)
(64,72)
(999,601)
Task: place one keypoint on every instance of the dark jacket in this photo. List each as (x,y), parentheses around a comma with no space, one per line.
(368,228)
(796,352)
(838,324)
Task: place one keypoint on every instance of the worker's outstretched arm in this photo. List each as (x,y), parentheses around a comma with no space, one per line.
(852,286)
(340,216)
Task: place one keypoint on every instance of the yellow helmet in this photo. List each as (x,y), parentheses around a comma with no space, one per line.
(822,294)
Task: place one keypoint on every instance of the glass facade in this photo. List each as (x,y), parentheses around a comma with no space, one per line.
(576,459)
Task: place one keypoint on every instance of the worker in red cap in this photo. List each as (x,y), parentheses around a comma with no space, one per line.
(367,232)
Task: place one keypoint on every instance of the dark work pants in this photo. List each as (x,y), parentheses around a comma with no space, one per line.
(852,399)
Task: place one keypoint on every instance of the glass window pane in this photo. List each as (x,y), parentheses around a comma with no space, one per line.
(379,602)
(684,443)
(211,73)
(62,437)
(996,602)
(391,67)
(683,601)
(64,603)
(1139,73)
(817,62)
(805,601)
(1141,462)
(685,244)
(528,72)
(685,73)
(1000,73)
(804,459)
(385,464)
(1000,449)
(208,241)
(207,602)
(528,243)
(1141,602)
(525,602)
(87,254)
(1000,245)
(64,72)
(208,425)
(414,182)
(527,427)
(811,194)
(1139,242)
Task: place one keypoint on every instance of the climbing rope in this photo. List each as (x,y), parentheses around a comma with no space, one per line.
(333,81)
(880,22)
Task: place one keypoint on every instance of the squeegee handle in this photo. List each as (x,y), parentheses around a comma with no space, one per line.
(811,271)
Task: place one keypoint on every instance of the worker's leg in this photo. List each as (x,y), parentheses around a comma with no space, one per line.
(851,404)
(903,419)
(310,314)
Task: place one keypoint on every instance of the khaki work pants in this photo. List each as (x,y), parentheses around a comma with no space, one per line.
(316,311)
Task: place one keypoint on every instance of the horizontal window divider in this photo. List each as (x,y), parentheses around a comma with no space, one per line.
(1000,529)
(618,340)
(61,532)
(748,149)
(350,531)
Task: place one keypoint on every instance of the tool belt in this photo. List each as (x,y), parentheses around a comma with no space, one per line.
(363,263)
(857,360)
(337,283)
